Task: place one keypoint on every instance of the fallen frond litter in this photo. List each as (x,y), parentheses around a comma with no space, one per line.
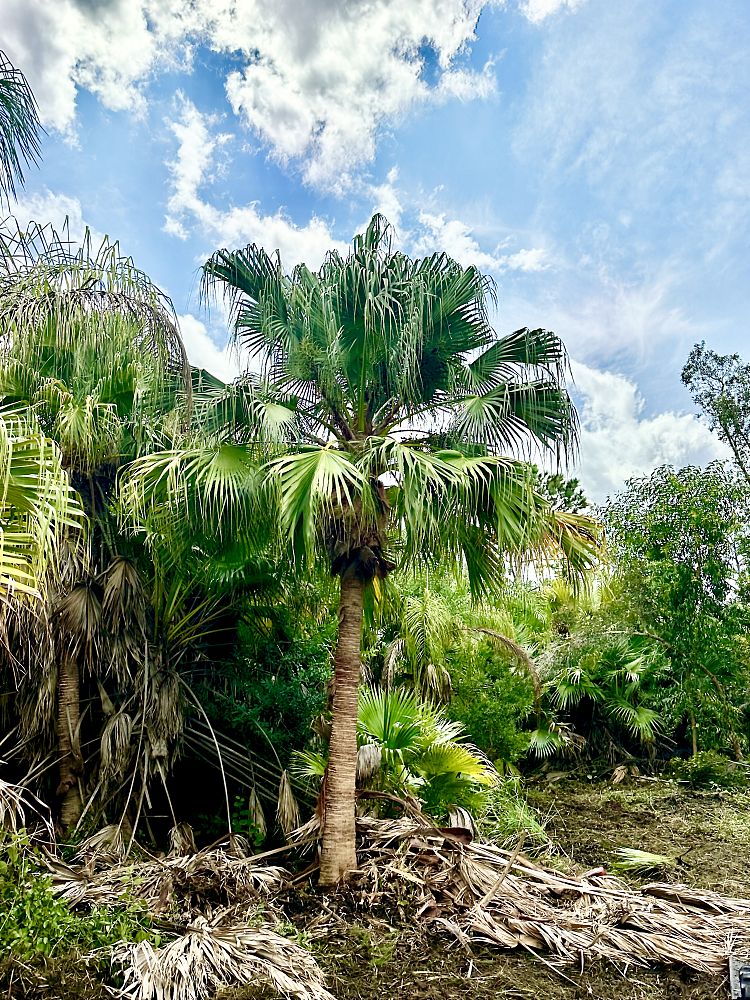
(212,954)
(480,893)
(178,883)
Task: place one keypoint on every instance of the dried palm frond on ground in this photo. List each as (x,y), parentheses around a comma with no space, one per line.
(210,955)
(482,894)
(477,893)
(180,883)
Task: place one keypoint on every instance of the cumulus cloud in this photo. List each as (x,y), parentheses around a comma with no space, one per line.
(318,78)
(204,352)
(50,207)
(618,441)
(238,225)
(457,239)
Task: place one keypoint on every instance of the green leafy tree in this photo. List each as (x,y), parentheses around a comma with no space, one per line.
(379,433)
(677,539)
(720,386)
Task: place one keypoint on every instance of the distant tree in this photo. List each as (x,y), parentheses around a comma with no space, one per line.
(678,541)
(19,128)
(720,386)
(562,493)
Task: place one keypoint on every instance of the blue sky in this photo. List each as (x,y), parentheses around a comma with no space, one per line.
(593,156)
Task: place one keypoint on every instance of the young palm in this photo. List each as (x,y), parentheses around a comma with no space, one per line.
(377,434)
(19,128)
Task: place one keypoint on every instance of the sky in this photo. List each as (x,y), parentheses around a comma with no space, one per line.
(592,156)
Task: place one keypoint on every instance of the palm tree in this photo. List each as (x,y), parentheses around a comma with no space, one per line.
(91,347)
(19,128)
(376,434)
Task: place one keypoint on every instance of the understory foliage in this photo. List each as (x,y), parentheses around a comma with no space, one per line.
(36,924)
(409,747)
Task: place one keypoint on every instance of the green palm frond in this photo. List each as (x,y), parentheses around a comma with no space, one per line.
(314,485)
(393,719)
(455,758)
(308,764)
(19,128)
(88,339)
(628,859)
(549,739)
(37,503)
(639,719)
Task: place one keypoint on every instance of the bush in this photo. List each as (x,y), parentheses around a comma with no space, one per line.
(35,923)
(272,690)
(491,697)
(708,769)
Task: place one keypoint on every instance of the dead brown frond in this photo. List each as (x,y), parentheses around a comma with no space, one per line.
(211,954)
(19,808)
(213,876)
(181,840)
(369,757)
(480,893)
(255,813)
(287,810)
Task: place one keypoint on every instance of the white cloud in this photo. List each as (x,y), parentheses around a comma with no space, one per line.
(386,199)
(203,351)
(57,210)
(618,441)
(105,46)
(526,260)
(457,239)
(320,77)
(50,207)
(325,80)
(539,10)
(237,225)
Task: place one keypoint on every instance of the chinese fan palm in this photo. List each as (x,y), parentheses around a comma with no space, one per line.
(386,427)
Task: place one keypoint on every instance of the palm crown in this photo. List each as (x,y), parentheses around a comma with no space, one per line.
(384,408)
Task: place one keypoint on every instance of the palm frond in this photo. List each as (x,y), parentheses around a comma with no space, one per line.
(213,954)
(19,128)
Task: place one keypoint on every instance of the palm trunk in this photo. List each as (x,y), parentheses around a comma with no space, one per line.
(68,716)
(338,852)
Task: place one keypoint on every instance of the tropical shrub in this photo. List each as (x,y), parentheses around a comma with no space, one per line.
(707,769)
(596,684)
(272,690)
(409,747)
(492,697)
(35,923)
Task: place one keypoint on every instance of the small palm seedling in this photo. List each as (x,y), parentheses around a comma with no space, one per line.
(642,863)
